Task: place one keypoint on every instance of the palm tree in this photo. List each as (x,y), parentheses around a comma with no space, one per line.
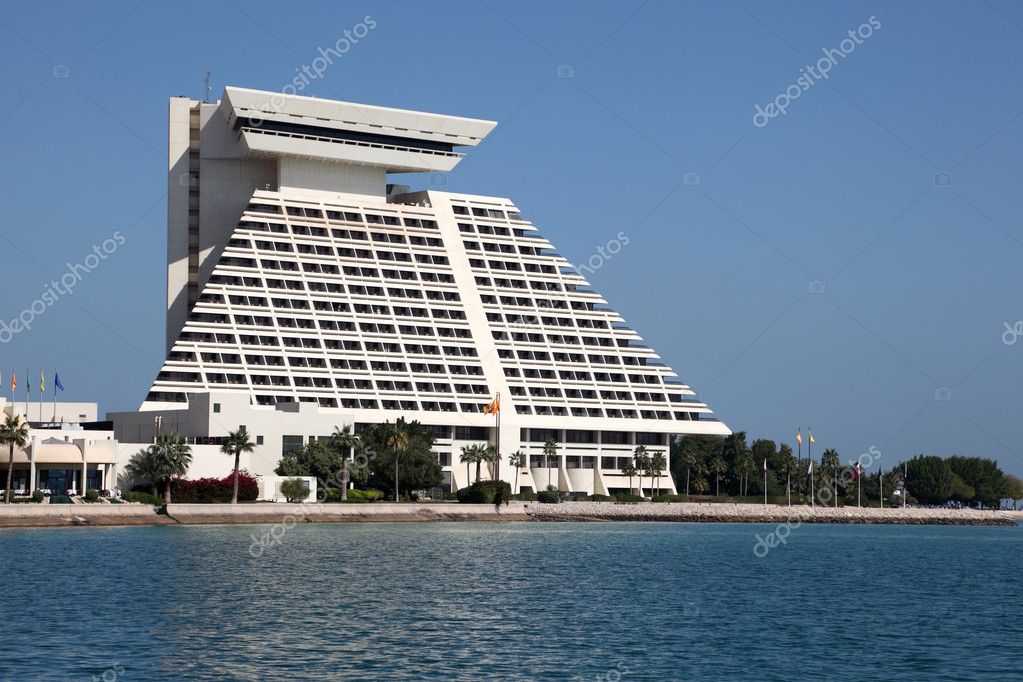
(629,470)
(550,449)
(235,444)
(470,454)
(717,467)
(174,457)
(658,463)
(642,460)
(13,432)
(398,440)
(688,457)
(744,466)
(488,454)
(518,460)
(145,465)
(345,439)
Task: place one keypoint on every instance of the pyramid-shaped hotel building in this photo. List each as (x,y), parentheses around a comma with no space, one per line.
(305,292)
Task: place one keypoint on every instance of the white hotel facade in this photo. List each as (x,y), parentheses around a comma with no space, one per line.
(304,292)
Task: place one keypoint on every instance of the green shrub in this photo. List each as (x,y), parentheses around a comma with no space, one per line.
(670,498)
(600,498)
(485,492)
(60,499)
(38,496)
(295,490)
(330,494)
(362,495)
(138,496)
(450,496)
(628,497)
(549,496)
(525,497)
(92,495)
(20,500)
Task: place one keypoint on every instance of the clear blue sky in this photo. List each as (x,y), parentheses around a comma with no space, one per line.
(919,275)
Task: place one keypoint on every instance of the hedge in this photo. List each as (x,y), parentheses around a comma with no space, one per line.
(213,490)
(628,497)
(549,496)
(485,492)
(143,497)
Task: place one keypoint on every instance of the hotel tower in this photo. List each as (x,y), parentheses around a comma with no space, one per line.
(305,292)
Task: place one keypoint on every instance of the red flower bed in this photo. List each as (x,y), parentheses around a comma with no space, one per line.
(209,490)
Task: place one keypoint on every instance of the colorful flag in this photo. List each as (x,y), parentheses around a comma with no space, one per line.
(812,441)
(799,436)
(56,381)
(28,383)
(14,381)
(42,381)
(493,407)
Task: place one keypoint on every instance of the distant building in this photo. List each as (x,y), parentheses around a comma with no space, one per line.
(67,449)
(305,292)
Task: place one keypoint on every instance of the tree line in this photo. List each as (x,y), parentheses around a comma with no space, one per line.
(730,465)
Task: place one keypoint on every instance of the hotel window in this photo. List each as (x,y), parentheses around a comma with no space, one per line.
(290,444)
(216,408)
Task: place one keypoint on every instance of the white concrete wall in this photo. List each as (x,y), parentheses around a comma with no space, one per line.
(315,177)
(68,413)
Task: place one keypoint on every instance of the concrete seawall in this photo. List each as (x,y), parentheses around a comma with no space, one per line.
(344,513)
(29,515)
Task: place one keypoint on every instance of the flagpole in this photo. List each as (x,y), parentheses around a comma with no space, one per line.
(28,391)
(813,498)
(497,467)
(765,481)
(880,483)
(836,485)
(799,457)
(42,374)
(55,375)
(858,475)
(809,457)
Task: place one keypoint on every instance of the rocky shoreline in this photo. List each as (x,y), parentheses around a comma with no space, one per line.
(753,513)
(22,515)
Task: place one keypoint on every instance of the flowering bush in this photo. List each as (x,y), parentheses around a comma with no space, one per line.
(210,490)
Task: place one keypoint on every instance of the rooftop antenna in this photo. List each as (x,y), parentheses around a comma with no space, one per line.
(207,81)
